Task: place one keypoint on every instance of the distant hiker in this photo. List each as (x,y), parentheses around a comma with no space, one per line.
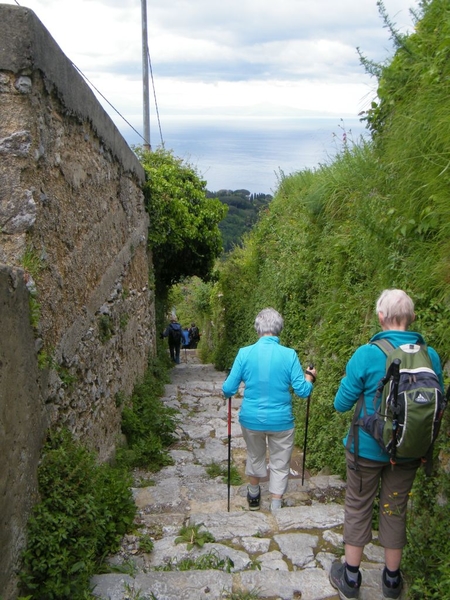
(173,331)
(194,335)
(186,340)
(368,466)
(268,370)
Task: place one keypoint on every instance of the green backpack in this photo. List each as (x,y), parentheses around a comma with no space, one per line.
(408,404)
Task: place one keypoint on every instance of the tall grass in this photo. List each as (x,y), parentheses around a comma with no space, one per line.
(333,238)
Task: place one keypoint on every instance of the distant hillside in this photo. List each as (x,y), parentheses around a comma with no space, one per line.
(243,211)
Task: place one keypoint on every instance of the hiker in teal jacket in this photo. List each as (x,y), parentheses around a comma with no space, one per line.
(363,373)
(269,371)
(373,472)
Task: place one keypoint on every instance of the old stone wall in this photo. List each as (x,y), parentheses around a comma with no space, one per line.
(21,421)
(73,242)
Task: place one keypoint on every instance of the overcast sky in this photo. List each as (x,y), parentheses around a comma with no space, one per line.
(226,58)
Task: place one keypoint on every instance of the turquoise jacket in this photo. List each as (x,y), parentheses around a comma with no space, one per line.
(363,373)
(269,370)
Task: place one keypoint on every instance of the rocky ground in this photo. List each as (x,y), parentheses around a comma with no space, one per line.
(235,554)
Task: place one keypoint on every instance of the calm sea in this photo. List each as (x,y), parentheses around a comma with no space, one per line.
(250,153)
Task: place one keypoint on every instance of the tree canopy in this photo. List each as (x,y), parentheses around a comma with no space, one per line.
(184,235)
(244,209)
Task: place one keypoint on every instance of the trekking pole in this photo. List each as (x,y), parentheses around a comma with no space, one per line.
(308,400)
(229,451)
(395,381)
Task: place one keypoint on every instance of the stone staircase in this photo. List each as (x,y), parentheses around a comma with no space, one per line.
(257,554)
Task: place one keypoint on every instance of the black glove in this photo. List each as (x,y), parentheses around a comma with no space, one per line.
(161,336)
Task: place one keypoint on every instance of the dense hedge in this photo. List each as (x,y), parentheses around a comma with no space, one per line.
(376,216)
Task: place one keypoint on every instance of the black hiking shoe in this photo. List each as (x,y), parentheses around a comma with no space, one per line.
(253,501)
(389,590)
(339,581)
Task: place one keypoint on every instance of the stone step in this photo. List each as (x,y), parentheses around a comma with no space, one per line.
(283,556)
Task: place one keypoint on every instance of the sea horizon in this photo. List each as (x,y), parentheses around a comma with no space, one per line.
(252,153)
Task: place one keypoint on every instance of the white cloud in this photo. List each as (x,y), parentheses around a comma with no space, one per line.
(226,57)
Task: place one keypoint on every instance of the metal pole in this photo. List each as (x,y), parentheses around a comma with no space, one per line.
(306,438)
(308,401)
(145,71)
(229,451)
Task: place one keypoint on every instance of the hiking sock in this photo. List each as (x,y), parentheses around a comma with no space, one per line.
(392,578)
(253,490)
(276,504)
(352,575)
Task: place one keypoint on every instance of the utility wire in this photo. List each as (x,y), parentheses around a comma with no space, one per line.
(106,100)
(154,95)
(112,106)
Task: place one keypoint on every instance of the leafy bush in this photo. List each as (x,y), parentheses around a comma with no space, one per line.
(217,470)
(184,235)
(332,239)
(194,535)
(84,510)
(204,562)
(147,423)
(243,211)
(426,558)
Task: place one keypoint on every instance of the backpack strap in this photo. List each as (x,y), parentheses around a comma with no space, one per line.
(384,345)
(353,435)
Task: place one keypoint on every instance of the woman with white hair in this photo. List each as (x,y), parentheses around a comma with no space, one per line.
(269,371)
(372,472)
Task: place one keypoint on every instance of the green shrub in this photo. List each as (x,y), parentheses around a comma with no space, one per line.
(84,510)
(105,328)
(426,558)
(204,562)
(146,544)
(147,423)
(194,535)
(216,470)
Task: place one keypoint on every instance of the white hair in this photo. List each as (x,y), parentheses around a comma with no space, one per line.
(269,321)
(396,307)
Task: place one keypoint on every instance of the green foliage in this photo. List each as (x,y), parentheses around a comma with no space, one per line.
(119,399)
(32,263)
(191,300)
(35,311)
(426,557)
(234,306)
(133,593)
(147,423)
(194,535)
(184,235)
(123,321)
(243,212)
(146,544)
(210,560)
(33,266)
(332,239)
(83,512)
(216,470)
(105,328)
(46,359)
